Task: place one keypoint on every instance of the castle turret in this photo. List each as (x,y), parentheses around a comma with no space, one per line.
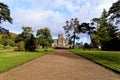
(61,42)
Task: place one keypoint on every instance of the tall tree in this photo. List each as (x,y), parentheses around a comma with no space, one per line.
(114,12)
(5,35)
(30,44)
(4,16)
(105,30)
(27,38)
(4,13)
(87,28)
(26,34)
(27,31)
(44,37)
(71,29)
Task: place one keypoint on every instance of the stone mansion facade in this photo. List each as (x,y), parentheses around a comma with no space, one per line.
(60,42)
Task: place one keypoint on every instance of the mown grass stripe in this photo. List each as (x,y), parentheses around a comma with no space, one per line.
(11,59)
(108,59)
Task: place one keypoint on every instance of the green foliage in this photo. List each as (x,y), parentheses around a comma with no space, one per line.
(27,32)
(109,59)
(27,39)
(10,42)
(13,36)
(4,13)
(105,31)
(1,46)
(112,45)
(87,28)
(7,47)
(86,46)
(114,12)
(7,38)
(20,46)
(25,35)
(10,59)
(30,44)
(71,29)
(44,37)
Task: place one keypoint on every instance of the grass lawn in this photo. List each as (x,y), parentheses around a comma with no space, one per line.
(11,59)
(109,59)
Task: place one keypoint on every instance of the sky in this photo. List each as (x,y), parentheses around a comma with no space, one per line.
(53,14)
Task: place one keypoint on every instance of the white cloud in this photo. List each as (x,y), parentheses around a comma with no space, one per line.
(71,7)
(82,14)
(51,13)
(38,19)
(105,4)
(30,16)
(7,1)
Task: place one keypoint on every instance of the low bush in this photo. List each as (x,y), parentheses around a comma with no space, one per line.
(20,46)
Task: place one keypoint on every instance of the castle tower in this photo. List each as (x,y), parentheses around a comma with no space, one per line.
(60,40)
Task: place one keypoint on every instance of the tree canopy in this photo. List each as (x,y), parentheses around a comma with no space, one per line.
(44,37)
(114,12)
(26,40)
(71,30)
(105,31)
(4,13)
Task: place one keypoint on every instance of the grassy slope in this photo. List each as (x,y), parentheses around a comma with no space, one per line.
(110,59)
(11,59)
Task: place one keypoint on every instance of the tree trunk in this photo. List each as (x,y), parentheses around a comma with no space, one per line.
(43,46)
(70,46)
(74,41)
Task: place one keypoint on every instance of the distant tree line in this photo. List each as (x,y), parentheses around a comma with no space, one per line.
(26,41)
(103,31)
(6,38)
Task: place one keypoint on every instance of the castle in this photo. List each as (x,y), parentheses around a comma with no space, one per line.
(60,42)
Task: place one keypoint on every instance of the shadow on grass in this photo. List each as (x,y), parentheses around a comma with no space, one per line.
(118,72)
(66,53)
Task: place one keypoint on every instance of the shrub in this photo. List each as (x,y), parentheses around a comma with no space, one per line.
(10,42)
(7,47)
(86,46)
(30,44)
(1,46)
(20,46)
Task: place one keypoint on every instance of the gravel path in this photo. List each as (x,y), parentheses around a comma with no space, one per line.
(60,65)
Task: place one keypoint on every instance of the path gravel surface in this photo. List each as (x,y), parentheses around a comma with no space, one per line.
(60,65)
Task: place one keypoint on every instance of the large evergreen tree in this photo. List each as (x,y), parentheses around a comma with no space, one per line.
(114,12)
(27,39)
(105,31)
(4,13)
